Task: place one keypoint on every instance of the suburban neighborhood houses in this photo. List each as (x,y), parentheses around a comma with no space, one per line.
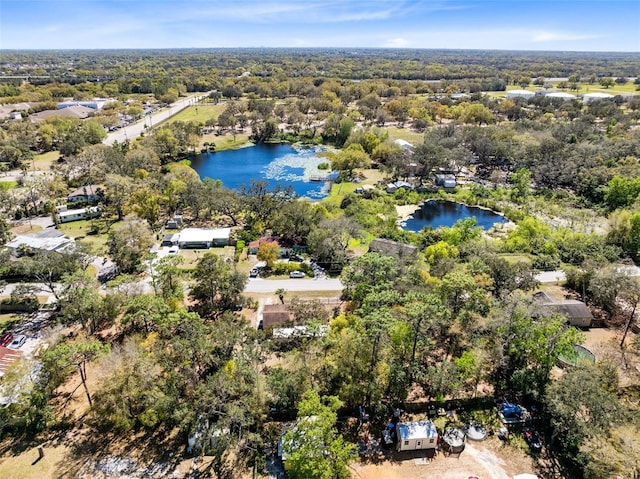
(366,260)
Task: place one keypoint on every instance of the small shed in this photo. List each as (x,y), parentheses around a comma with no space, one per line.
(416,435)
(446,181)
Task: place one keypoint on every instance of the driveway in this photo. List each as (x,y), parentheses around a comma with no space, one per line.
(259,285)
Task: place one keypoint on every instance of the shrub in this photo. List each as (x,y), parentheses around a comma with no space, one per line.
(323,166)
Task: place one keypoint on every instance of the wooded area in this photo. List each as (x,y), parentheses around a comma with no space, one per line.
(171,340)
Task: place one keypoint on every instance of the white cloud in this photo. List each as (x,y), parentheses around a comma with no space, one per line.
(549,36)
(397,43)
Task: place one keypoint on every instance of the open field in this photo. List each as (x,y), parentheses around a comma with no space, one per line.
(227,141)
(628,87)
(199,113)
(396,133)
(79,230)
(44,161)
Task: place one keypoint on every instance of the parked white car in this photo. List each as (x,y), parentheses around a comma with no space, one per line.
(18,341)
(297,274)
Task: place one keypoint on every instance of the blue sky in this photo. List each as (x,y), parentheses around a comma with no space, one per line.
(585,25)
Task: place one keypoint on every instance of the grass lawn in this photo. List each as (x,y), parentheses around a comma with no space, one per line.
(191,257)
(80,229)
(7,185)
(23,465)
(44,161)
(516,258)
(338,192)
(413,137)
(25,229)
(199,113)
(628,87)
(6,320)
(227,142)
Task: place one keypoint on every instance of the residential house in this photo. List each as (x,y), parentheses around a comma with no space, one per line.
(85,193)
(202,238)
(576,312)
(46,240)
(67,216)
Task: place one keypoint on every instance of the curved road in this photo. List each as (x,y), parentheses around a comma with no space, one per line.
(135,130)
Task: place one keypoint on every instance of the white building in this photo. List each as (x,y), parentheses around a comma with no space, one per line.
(404,144)
(201,238)
(561,95)
(591,97)
(67,216)
(526,94)
(416,435)
(95,104)
(41,242)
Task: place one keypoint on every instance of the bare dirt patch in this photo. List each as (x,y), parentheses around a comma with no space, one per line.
(488,460)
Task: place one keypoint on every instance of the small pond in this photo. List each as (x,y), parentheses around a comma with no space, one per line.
(278,164)
(435,213)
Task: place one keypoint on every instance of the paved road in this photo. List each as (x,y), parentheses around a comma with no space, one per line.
(258,285)
(559,275)
(135,130)
(551,276)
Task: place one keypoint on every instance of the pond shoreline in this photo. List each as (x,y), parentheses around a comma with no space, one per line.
(406,213)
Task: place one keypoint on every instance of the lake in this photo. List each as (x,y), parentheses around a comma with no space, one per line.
(445,213)
(278,164)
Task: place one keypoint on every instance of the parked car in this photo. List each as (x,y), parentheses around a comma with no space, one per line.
(297,274)
(5,339)
(253,273)
(174,250)
(533,440)
(17,342)
(296,257)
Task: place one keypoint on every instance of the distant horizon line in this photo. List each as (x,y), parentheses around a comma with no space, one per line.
(396,49)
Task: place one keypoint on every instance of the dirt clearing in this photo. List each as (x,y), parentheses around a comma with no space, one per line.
(484,460)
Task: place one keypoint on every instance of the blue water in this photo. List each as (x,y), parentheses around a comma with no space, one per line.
(445,213)
(278,164)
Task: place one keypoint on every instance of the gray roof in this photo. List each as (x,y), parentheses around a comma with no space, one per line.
(571,308)
(392,248)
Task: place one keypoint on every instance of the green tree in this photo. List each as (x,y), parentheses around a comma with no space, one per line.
(218,285)
(268,252)
(128,243)
(350,158)
(583,403)
(65,357)
(167,277)
(528,348)
(607,82)
(313,449)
